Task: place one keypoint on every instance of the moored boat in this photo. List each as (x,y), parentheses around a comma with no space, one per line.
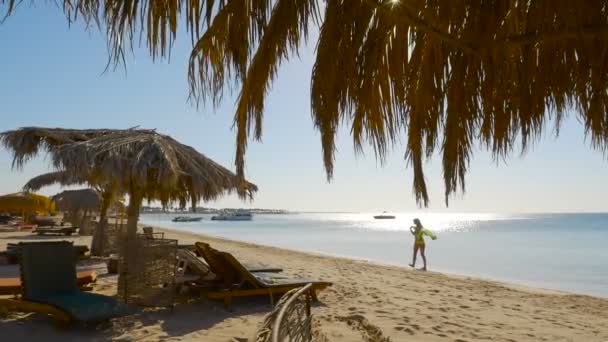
(238,215)
(384,216)
(186,219)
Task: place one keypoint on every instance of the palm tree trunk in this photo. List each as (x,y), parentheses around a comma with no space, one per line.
(98,245)
(133,214)
(128,248)
(84,227)
(130,245)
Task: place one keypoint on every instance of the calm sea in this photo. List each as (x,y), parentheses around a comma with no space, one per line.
(555,251)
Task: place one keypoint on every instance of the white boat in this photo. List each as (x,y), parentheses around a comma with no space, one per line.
(384,216)
(238,215)
(186,219)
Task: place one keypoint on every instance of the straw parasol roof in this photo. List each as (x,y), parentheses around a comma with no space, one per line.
(75,200)
(149,165)
(443,76)
(26,142)
(56,177)
(25,202)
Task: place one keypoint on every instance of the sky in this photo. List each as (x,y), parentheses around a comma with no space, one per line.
(53,75)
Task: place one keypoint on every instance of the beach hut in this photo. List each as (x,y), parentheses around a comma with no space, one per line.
(25,203)
(79,205)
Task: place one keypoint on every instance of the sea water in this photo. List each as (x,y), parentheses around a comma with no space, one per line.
(556,251)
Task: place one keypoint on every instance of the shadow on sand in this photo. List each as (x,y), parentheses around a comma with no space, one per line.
(151,324)
(35,236)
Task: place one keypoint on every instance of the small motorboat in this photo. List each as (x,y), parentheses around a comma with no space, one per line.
(239,215)
(186,219)
(384,216)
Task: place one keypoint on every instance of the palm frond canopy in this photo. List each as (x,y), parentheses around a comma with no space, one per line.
(445,74)
(151,164)
(25,202)
(26,142)
(75,200)
(62,178)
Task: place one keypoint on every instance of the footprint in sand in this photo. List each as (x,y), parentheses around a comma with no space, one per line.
(407,330)
(437,328)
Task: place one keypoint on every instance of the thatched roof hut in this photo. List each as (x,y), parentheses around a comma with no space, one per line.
(77,200)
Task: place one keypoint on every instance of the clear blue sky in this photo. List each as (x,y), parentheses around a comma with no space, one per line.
(51,75)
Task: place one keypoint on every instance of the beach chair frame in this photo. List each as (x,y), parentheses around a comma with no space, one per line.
(239,282)
(22,301)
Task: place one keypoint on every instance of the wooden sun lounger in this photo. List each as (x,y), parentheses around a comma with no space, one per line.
(49,286)
(189,261)
(150,234)
(12,252)
(61,230)
(12,286)
(206,252)
(239,282)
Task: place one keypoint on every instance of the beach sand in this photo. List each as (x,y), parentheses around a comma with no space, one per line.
(406,305)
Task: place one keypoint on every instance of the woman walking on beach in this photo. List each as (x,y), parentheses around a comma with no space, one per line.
(419,232)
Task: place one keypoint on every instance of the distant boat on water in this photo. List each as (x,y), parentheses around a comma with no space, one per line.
(238,215)
(186,219)
(384,216)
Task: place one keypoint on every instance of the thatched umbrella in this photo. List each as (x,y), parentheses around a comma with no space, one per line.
(27,142)
(50,178)
(71,201)
(148,165)
(82,200)
(445,75)
(25,202)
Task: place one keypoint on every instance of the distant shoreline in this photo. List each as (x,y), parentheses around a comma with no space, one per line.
(285,211)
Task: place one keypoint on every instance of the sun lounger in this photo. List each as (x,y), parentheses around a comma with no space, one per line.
(239,282)
(206,252)
(24,227)
(12,252)
(191,269)
(150,234)
(49,284)
(61,230)
(12,286)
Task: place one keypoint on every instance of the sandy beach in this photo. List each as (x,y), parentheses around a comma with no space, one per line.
(405,305)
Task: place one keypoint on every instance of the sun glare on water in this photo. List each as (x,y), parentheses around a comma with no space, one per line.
(453,222)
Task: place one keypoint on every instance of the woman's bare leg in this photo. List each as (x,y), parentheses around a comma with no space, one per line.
(423,257)
(413,264)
